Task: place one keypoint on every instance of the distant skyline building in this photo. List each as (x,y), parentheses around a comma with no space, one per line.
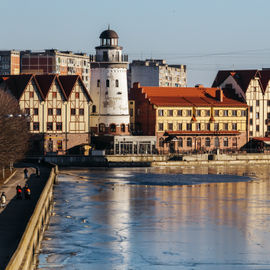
(156,72)
(9,62)
(110,111)
(56,62)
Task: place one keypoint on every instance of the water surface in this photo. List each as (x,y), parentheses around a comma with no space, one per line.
(160,218)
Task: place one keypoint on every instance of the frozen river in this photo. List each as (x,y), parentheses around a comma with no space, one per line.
(205,218)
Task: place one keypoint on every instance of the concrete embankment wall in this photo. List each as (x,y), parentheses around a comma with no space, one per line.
(25,257)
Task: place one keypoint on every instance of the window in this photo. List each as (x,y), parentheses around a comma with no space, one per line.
(198,112)
(189,112)
(123,128)
(216,126)
(49,126)
(161,142)
(27,111)
(131,111)
(73,111)
(160,126)
(101,127)
(216,142)
(35,111)
(268,115)
(189,142)
(81,111)
(160,113)
(180,142)
(113,128)
(77,95)
(98,83)
(50,111)
(207,112)
(234,112)
(207,126)
(257,103)
(179,112)
(105,54)
(257,115)
(216,112)
(170,112)
(251,122)
(59,145)
(58,111)
(189,126)
(198,126)
(268,102)
(257,128)
(234,142)
(54,94)
(225,126)
(234,126)
(94,109)
(180,126)
(116,83)
(36,126)
(243,113)
(251,133)
(107,83)
(251,109)
(207,141)
(225,142)
(170,126)
(59,126)
(225,113)
(31,94)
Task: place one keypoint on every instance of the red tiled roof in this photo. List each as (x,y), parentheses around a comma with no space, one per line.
(186,96)
(202,132)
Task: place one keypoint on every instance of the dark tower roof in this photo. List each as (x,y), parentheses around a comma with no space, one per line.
(108,34)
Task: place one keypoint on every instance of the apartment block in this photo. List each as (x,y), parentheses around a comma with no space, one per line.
(9,62)
(154,72)
(56,62)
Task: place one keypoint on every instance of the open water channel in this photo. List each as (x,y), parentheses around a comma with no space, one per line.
(160,218)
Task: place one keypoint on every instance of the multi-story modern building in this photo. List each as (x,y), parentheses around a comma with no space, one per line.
(56,62)
(188,118)
(153,72)
(58,110)
(252,87)
(9,62)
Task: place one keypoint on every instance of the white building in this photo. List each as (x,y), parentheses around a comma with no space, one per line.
(152,72)
(110,112)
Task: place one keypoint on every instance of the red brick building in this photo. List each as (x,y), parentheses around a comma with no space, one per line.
(188,118)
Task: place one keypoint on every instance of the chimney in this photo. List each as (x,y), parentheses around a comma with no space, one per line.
(219,95)
(136,85)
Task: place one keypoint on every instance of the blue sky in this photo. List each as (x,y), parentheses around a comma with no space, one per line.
(206,35)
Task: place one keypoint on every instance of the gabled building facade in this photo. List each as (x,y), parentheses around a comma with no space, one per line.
(188,119)
(252,87)
(57,108)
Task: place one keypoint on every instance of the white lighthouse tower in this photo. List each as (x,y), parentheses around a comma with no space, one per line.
(108,88)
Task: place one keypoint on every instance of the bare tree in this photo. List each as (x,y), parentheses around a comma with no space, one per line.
(14,133)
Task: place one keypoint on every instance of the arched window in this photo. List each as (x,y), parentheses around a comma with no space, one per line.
(98,83)
(123,128)
(112,128)
(216,142)
(116,83)
(101,127)
(94,108)
(161,142)
(207,142)
(180,142)
(225,142)
(107,83)
(189,142)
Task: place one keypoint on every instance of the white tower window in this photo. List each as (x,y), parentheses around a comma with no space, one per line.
(116,83)
(107,83)
(98,83)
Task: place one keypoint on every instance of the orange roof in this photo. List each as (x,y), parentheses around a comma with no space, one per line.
(201,132)
(186,96)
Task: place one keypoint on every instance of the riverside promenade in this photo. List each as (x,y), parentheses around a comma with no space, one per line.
(15,216)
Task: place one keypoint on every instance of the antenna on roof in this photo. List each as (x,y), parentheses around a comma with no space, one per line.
(108,26)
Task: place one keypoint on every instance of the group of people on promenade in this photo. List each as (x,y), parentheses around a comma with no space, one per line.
(25,191)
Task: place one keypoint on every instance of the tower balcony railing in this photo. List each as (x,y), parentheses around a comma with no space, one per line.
(100,58)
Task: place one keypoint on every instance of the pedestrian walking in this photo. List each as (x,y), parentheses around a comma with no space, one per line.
(3,200)
(25,173)
(19,192)
(27,192)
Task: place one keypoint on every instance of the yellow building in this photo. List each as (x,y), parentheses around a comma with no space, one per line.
(188,119)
